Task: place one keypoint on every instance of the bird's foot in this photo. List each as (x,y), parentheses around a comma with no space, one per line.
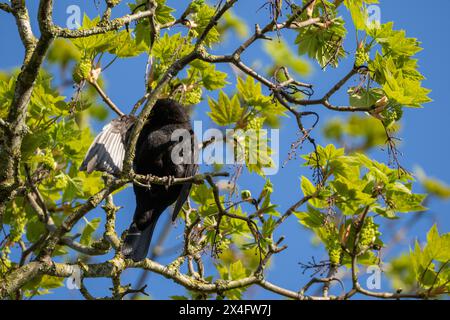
(170,181)
(149,180)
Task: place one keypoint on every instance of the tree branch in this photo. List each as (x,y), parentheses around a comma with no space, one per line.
(117,265)
(213,22)
(105,98)
(109,25)
(5,7)
(76,215)
(20,12)
(11,154)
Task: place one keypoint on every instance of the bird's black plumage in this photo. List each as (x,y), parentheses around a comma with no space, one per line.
(154,156)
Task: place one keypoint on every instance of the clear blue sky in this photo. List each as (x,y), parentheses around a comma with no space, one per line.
(425,132)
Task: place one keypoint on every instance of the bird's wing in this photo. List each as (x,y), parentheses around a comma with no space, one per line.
(191,170)
(107,151)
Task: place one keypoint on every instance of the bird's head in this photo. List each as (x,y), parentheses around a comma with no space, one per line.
(167,111)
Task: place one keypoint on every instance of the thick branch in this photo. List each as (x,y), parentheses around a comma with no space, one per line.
(111,268)
(20,12)
(11,154)
(111,25)
(87,250)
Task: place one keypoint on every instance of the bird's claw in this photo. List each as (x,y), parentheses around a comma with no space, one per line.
(170,181)
(149,178)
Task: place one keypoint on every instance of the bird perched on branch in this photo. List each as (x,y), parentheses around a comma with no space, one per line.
(159,152)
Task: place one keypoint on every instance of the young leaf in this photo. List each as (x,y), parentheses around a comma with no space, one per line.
(88,231)
(225,111)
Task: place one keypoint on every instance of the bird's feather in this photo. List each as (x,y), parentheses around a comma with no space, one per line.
(107,151)
(191,170)
(137,242)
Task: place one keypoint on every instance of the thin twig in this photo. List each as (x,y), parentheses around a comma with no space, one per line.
(106,99)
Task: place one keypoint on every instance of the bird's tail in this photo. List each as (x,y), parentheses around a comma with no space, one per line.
(137,242)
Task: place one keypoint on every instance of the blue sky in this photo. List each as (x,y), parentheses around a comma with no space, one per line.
(425,131)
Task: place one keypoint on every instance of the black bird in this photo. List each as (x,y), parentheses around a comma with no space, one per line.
(153,157)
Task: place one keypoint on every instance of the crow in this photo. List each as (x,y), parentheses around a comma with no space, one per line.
(159,152)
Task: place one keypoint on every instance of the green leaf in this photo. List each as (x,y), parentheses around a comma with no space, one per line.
(90,46)
(395,42)
(225,111)
(211,78)
(406,203)
(124,45)
(404,91)
(253,145)
(234,271)
(251,94)
(431,264)
(35,229)
(163,11)
(237,270)
(362,98)
(167,50)
(231,22)
(88,231)
(204,197)
(202,17)
(267,207)
(42,284)
(201,194)
(400,81)
(307,186)
(282,55)
(324,44)
(73,189)
(438,247)
(358,132)
(311,219)
(268,227)
(63,51)
(358,13)
(436,187)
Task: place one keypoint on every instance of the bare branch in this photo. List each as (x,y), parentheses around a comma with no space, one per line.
(87,250)
(111,268)
(110,234)
(146,181)
(292,209)
(110,25)
(5,7)
(20,12)
(105,98)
